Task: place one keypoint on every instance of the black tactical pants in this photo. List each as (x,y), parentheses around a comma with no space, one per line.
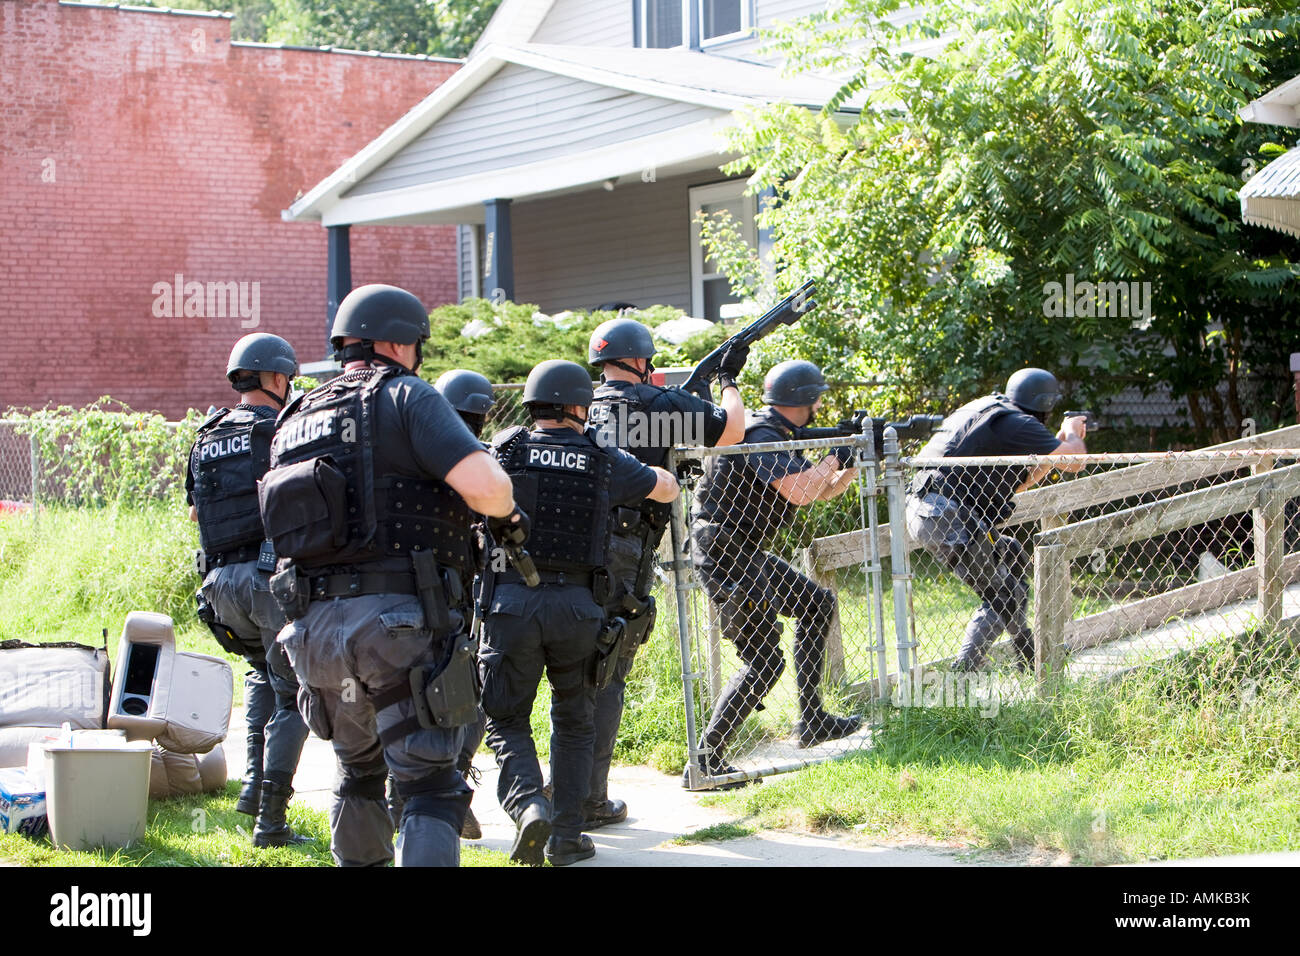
(995,566)
(551,628)
(344,651)
(624,561)
(241,599)
(749,588)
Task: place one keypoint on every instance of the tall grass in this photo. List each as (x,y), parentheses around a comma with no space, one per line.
(1198,756)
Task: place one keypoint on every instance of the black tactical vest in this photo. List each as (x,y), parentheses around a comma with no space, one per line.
(968,433)
(564,489)
(612,407)
(732,495)
(380,517)
(231,452)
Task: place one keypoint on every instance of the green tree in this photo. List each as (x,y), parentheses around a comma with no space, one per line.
(434,27)
(1034,141)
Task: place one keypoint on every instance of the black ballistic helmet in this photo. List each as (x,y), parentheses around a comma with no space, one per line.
(620,339)
(256,353)
(1034,390)
(261,352)
(796,382)
(380,313)
(466,391)
(557,382)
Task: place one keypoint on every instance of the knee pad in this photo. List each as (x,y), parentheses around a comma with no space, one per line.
(768,671)
(823,608)
(442,795)
(370,787)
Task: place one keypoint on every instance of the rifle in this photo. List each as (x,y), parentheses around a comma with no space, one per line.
(915,427)
(785,312)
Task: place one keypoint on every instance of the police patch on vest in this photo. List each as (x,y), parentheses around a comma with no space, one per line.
(225,447)
(312,427)
(560,459)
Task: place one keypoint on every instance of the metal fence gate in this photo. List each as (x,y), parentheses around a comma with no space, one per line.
(1125,561)
(732,589)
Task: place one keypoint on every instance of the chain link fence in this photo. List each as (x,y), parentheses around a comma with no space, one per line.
(1109,563)
(745,535)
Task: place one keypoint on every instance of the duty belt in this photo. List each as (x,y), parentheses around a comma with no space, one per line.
(238,556)
(583,579)
(359,583)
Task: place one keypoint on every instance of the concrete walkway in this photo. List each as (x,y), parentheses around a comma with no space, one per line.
(659,812)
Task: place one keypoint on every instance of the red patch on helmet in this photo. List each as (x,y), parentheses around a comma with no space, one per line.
(600,345)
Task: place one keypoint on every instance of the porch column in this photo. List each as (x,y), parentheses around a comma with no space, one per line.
(498,257)
(763,200)
(338,279)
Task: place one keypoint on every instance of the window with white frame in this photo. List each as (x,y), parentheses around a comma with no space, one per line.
(723,20)
(661,24)
(710,288)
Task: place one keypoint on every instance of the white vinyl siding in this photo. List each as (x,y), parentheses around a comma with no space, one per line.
(768,13)
(632,244)
(522,115)
(587,23)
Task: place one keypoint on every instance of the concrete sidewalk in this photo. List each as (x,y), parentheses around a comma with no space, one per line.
(659,811)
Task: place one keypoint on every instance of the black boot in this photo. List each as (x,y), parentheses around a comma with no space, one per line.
(534,831)
(271,828)
(561,852)
(820,727)
(250,793)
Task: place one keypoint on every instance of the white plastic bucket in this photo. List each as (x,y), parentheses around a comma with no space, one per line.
(97,795)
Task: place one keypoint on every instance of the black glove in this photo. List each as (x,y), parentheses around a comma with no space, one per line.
(733,362)
(507,531)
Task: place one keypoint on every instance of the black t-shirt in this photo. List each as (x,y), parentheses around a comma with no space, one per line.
(629,480)
(737,491)
(656,419)
(418,432)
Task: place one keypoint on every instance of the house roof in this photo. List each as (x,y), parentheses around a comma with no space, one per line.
(1278,107)
(685,76)
(1271,197)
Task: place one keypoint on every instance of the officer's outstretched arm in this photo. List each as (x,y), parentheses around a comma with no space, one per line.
(485,487)
(1071,443)
(734,406)
(805,487)
(666,488)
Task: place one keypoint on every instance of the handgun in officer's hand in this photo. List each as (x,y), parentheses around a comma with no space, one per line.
(1090,423)
(510,532)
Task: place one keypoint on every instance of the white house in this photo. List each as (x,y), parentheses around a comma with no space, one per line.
(1271,197)
(573,149)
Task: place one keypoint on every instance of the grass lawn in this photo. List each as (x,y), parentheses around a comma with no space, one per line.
(206,830)
(1199,757)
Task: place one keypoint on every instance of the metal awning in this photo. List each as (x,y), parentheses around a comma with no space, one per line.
(1271,197)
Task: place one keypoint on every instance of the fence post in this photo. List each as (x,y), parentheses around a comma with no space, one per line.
(868,491)
(1268,520)
(682,585)
(901,572)
(34,459)
(1052,609)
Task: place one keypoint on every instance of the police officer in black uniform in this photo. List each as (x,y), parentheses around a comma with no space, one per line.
(569,484)
(471,395)
(230,454)
(645,421)
(373,483)
(742,501)
(955,513)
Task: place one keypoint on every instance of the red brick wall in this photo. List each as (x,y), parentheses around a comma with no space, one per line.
(135,146)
